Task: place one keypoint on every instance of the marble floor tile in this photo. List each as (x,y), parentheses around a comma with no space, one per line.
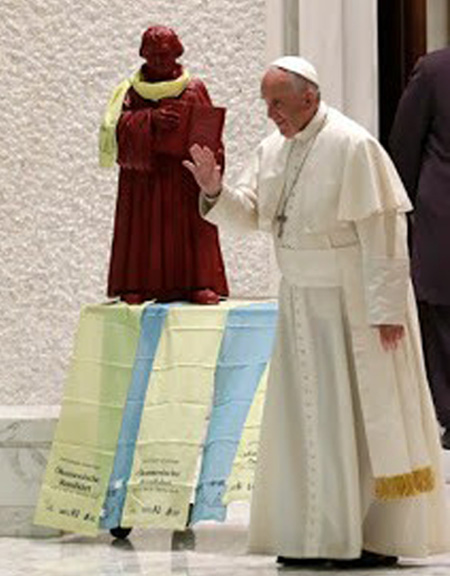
(210,550)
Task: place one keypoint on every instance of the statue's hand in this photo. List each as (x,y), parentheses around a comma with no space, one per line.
(390,335)
(166,118)
(205,170)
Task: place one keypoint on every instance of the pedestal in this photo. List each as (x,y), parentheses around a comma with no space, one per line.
(26,433)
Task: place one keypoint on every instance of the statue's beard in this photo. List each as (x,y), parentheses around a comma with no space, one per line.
(156,73)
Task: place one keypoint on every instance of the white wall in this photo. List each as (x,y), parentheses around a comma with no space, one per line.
(340,39)
(59,60)
(438,24)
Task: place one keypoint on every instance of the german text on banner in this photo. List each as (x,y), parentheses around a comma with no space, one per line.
(152,323)
(82,455)
(174,418)
(239,485)
(245,351)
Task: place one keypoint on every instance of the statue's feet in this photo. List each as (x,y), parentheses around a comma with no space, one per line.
(133,298)
(205,296)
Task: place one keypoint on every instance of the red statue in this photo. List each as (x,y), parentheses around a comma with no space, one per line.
(162,248)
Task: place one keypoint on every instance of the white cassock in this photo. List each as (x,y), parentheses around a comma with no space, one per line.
(349,455)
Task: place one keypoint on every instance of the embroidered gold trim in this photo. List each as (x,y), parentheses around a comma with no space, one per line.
(405,485)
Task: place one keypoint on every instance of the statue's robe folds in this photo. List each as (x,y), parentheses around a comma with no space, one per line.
(161,248)
(349,456)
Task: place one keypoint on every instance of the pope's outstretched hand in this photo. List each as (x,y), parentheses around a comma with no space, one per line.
(205,170)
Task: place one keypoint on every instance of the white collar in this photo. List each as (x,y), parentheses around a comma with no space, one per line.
(314,125)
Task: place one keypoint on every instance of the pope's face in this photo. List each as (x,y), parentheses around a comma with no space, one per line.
(289,108)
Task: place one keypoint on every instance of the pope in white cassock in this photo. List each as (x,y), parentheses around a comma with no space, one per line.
(349,460)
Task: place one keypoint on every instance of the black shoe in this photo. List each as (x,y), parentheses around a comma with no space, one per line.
(445,439)
(183,540)
(367,560)
(120,533)
(299,562)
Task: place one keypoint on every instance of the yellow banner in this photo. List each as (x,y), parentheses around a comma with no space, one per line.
(84,446)
(175,415)
(240,481)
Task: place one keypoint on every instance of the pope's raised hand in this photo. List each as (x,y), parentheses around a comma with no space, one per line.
(205,169)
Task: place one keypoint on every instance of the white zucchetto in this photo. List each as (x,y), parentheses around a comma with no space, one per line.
(299,66)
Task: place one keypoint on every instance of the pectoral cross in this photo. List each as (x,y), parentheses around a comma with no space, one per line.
(281,219)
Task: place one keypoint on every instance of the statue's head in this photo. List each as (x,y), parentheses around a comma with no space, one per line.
(160,46)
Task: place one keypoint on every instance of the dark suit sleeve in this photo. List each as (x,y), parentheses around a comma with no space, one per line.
(410,127)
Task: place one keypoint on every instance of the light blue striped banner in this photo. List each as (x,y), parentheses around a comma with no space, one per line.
(152,322)
(245,351)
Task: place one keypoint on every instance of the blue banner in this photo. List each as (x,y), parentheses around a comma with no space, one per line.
(152,322)
(245,351)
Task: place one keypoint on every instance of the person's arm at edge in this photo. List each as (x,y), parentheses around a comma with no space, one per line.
(410,127)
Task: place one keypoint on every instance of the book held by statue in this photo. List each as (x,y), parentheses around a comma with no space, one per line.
(199,124)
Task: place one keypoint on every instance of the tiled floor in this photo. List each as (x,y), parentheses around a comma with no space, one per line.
(217,551)
(213,550)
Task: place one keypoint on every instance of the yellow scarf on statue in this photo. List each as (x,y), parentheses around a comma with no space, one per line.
(158,90)
(150,91)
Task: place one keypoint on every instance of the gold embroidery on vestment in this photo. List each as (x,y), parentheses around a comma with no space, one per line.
(405,485)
